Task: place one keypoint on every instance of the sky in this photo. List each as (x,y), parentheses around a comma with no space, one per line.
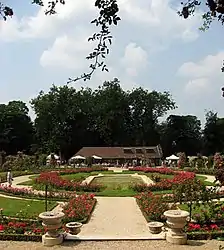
(152,47)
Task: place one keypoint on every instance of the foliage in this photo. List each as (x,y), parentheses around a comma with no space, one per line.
(218,160)
(182,159)
(22,228)
(152,206)
(185,131)
(16,128)
(192,192)
(219,168)
(21,161)
(54,180)
(155,177)
(179,178)
(68,119)
(213,212)
(79,208)
(215,11)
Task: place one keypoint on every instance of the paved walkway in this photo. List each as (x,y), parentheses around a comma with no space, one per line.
(113,245)
(116,216)
(20,179)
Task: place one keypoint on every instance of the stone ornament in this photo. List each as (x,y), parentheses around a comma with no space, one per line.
(176,220)
(52,222)
(155,227)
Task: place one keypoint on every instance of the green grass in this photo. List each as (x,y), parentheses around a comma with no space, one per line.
(24,208)
(30,182)
(195,210)
(117,185)
(114,182)
(203,180)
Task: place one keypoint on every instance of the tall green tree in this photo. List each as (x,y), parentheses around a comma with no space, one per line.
(67,119)
(16,128)
(185,131)
(213,134)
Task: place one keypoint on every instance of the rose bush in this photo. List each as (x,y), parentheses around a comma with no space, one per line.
(29,193)
(54,180)
(179,177)
(153,206)
(79,208)
(9,226)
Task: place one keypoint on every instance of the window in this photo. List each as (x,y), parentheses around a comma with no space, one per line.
(150,151)
(128,151)
(139,151)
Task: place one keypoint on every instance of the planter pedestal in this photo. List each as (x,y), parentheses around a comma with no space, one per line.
(52,222)
(74,228)
(176,220)
(155,227)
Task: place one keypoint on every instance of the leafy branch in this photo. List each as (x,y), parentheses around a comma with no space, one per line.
(108,16)
(215,11)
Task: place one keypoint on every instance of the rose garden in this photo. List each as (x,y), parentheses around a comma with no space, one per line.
(177,203)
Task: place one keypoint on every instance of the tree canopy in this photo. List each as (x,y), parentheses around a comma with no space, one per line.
(68,119)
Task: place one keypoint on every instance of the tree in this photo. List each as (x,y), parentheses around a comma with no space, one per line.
(213,134)
(16,128)
(67,119)
(185,131)
(192,192)
(146,108)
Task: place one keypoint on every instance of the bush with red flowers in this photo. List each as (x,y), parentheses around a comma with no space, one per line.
(79,208)
(28,227)
(54,180)
(179,177)
(153,206)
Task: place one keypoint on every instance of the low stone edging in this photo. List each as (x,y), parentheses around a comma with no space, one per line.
(20,237)
(204,235)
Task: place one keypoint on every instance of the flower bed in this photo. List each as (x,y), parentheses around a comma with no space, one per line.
(153,170)
(29,193)
(16,229)
(204,232)
(153,206)
(179,177)
(54,180)
(79,209)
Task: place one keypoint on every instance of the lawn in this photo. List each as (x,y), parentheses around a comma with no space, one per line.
(195,210)
(117,182)
(117,185)
(203,180)
(24,208)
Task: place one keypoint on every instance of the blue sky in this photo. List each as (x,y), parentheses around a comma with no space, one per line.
(153,48)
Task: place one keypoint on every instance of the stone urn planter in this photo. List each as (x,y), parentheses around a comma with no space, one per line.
(176,220)
(155,227)
(52,222)
(74,227)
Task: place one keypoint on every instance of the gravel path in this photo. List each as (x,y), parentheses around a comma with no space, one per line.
(113,245)
(116,216)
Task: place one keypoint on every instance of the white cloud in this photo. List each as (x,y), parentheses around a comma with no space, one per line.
(135,58)
(207,67)
(203,75)
(67,52)
(198,86)
(42,26)
(157,18)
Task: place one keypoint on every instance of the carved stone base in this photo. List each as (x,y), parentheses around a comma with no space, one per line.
(50,241)
(176,239)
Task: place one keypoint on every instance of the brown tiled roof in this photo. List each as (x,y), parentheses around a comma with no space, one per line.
(118,152)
